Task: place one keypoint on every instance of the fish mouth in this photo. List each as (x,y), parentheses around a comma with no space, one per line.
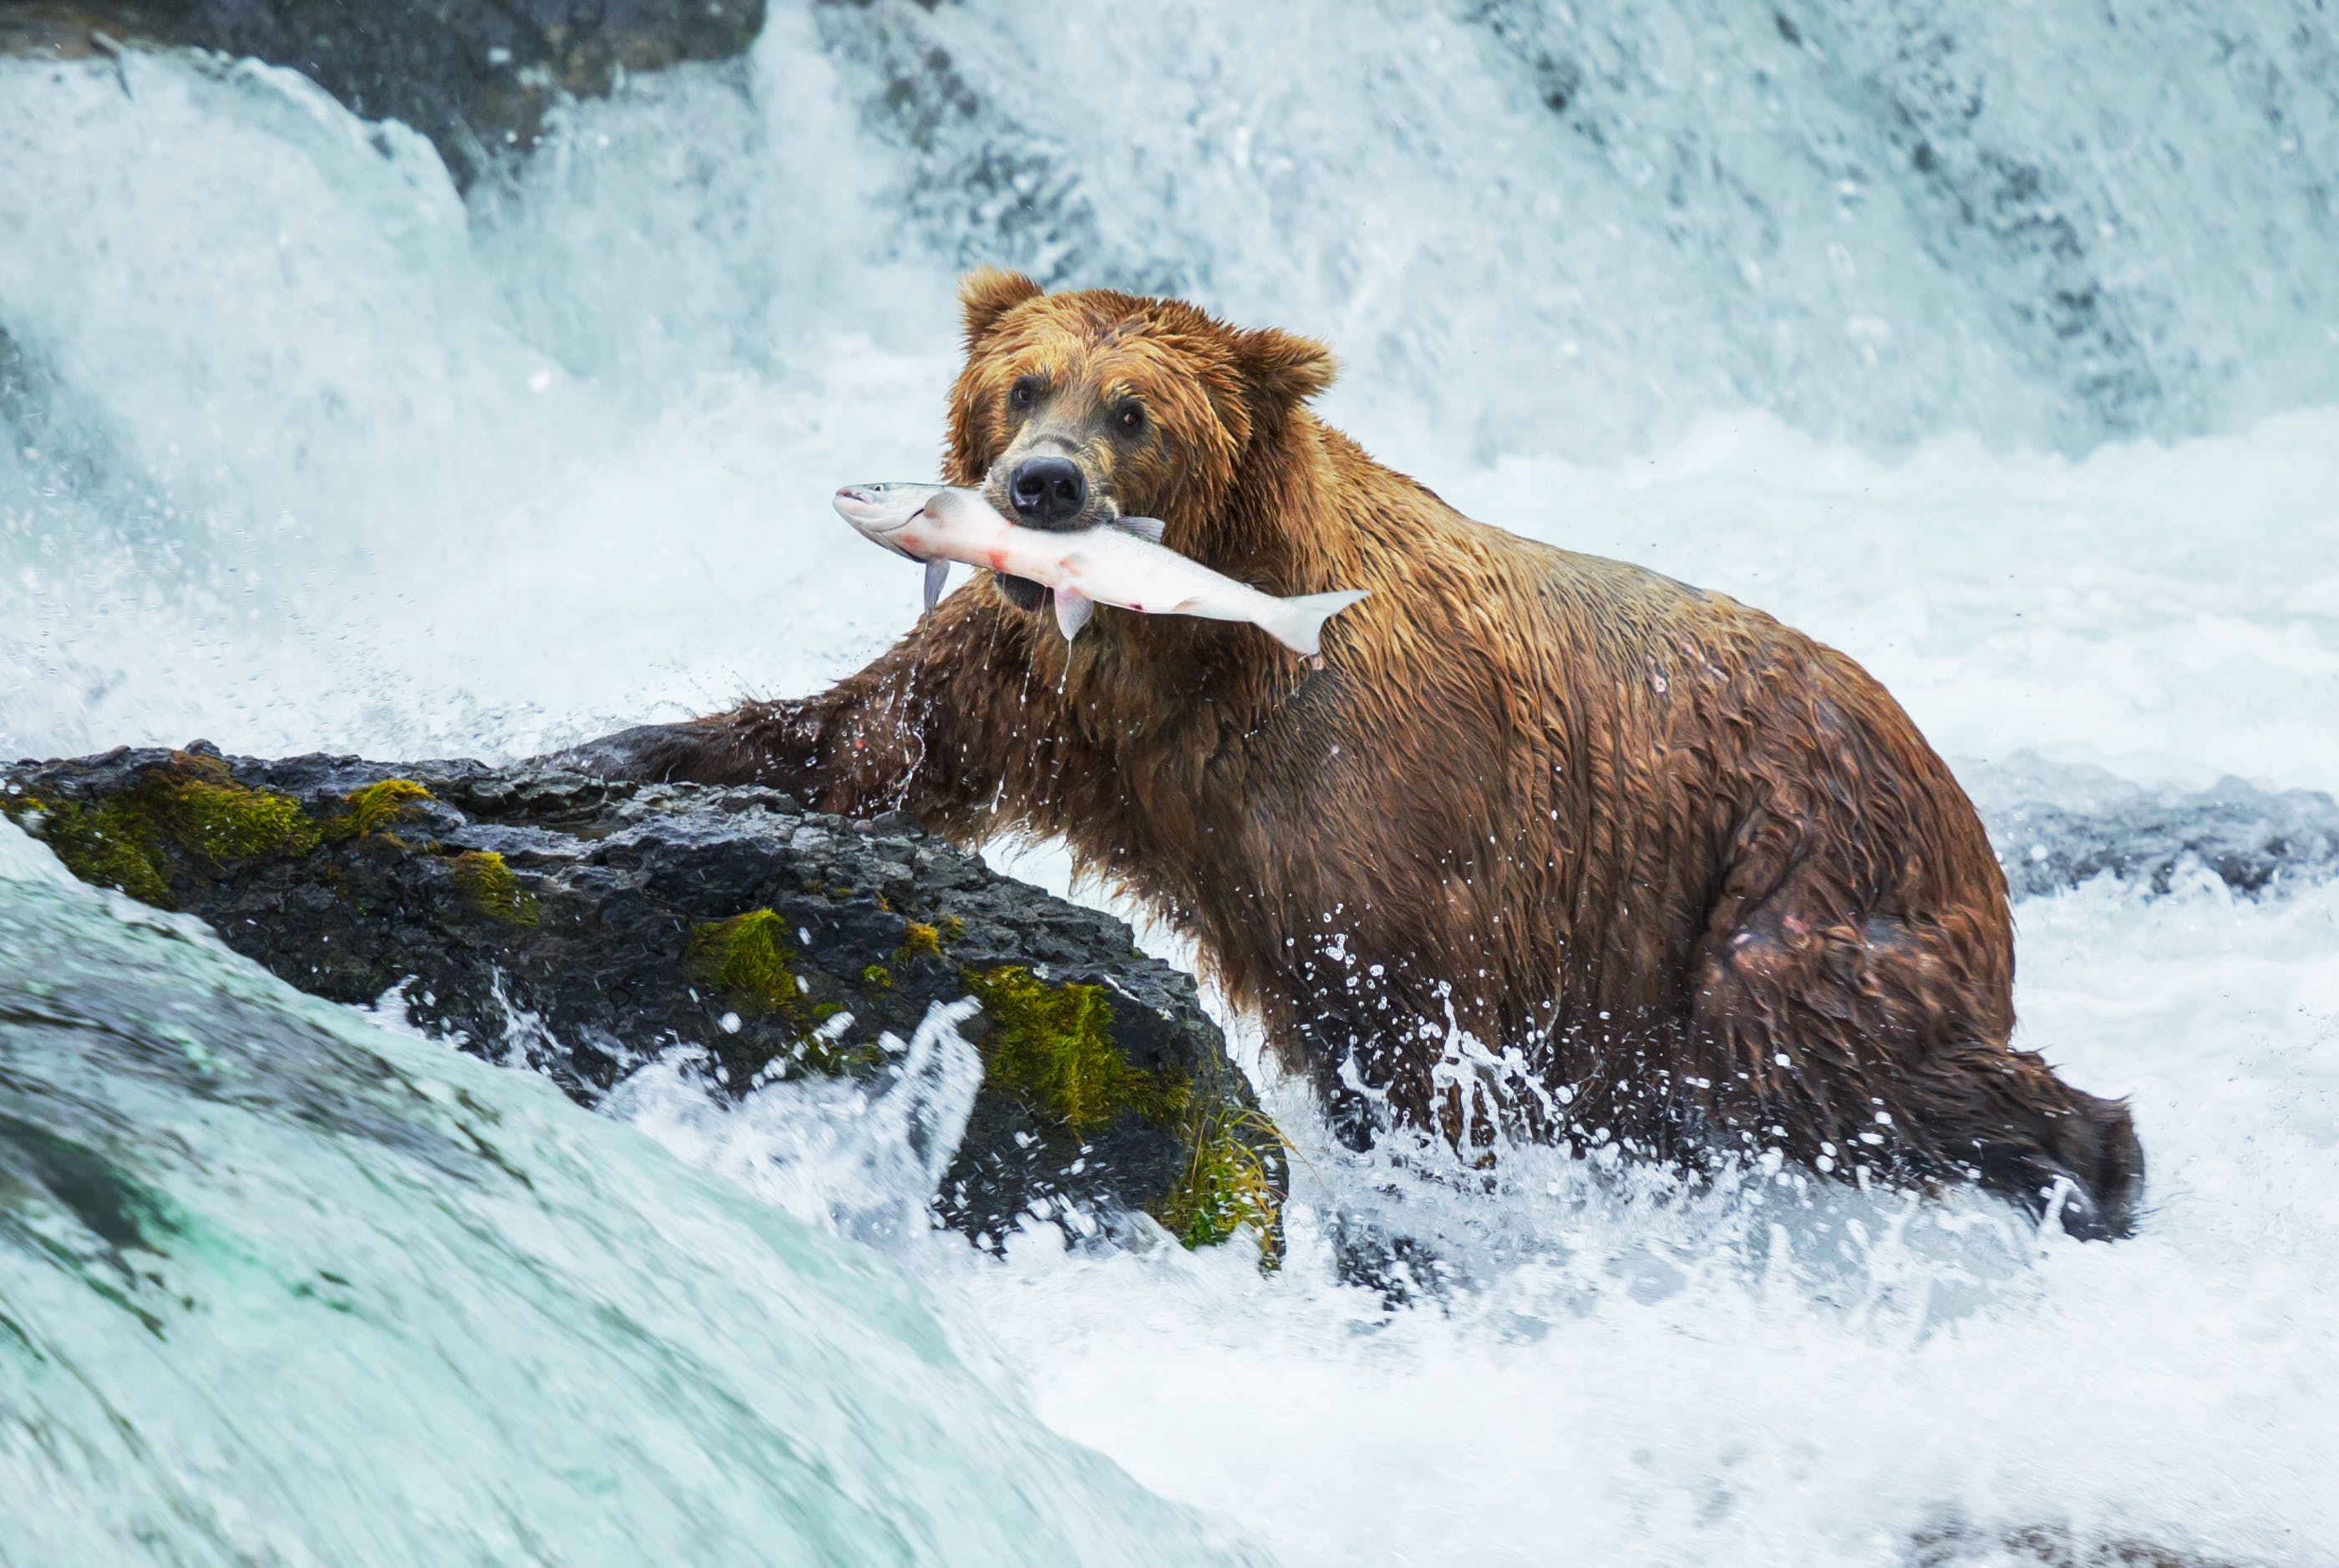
(859,502)
(864,507)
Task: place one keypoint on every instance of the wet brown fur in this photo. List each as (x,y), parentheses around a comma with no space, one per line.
(1646,835)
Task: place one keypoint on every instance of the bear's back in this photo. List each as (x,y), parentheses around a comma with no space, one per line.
(1685,709)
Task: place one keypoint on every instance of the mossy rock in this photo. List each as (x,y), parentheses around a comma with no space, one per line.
(1051,1049)
(189,804)
(1236,1179)
(747,962)
(747,958)
(584,926)
(1051,1046)
(377,807)
(108,845)
(493,889)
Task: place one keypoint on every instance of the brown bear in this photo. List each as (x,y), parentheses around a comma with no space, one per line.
(1540,836)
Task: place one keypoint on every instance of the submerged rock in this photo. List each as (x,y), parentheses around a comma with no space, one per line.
(589,925)
(1955,1541)
(475,79)
(2056,827)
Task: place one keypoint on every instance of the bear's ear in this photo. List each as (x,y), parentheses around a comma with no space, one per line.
(1284,365)
(987,293)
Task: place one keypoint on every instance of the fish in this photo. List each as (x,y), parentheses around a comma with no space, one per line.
(1123,563)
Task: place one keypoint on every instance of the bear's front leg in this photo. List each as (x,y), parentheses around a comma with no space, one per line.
(924,728)
(747,746)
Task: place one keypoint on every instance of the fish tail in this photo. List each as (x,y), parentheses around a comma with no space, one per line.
(1299,623)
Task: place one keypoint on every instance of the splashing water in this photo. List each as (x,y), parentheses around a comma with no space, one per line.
(311,453)
(277,1285)
(1995,345)
(867,1164)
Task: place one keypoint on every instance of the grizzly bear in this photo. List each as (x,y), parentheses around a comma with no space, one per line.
(1541,840)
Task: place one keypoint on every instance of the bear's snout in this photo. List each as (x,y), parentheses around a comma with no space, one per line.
(1047,492)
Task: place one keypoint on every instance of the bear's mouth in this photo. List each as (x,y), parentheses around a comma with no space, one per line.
(1022,591)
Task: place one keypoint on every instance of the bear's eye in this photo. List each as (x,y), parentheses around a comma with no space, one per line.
(1026,392)
(1128,419)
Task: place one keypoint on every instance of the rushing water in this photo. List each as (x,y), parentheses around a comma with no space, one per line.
(279,1286)
(1996,345)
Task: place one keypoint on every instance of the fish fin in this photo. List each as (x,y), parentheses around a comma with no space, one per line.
(937,579)
(1147,528)
(1072,610)
(949,502)
(1299,623)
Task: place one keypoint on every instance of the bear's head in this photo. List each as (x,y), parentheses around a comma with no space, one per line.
(1074,409)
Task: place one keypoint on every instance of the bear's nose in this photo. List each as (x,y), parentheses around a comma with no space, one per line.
(1049,492)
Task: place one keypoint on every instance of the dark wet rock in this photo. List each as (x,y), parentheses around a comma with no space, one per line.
(981,185)
(589,925)
(1958,1543)
(2055,828)
(476,79)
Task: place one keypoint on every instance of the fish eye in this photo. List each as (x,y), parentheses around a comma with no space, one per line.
(1026,392)
(1129,419)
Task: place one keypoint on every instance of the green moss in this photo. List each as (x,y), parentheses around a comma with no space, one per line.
(225,821)
(191,803)
(748,960)
(1227,1184)
(376,807)
(833,1058)
(919,942)
(493,888)
(111,845)
(877,977)
(1051,1046)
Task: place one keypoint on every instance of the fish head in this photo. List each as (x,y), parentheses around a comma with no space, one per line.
(882,512)
(1074,409)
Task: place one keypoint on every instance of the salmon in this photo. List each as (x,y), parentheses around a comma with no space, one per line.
(1122,563)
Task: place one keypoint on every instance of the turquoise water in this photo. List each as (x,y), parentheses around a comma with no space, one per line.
(280,1287)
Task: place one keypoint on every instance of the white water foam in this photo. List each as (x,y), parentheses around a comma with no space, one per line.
(333,461)
(1626,1377)
(865,1163)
